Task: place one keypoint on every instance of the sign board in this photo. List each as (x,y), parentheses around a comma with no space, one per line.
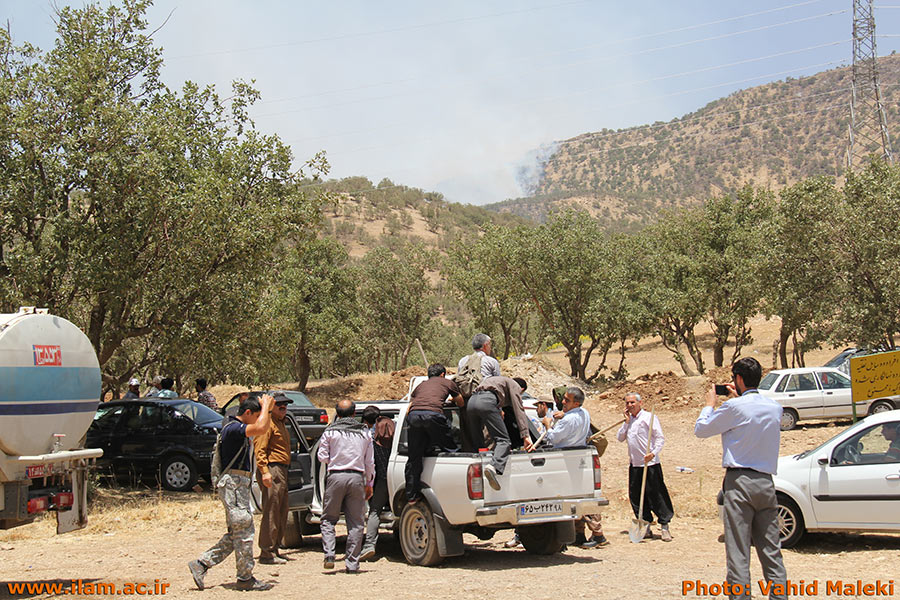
(47,356)
(875,375)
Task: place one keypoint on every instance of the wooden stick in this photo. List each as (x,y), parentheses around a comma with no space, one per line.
(599,433)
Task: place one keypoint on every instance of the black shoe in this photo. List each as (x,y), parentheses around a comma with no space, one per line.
(252,585)
(272,560)
(351,571)
(580,540)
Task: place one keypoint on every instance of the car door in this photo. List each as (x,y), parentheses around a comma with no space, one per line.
(103,432)
(859,487)
(300,487)
(802,393)
(149,434)
(836,396)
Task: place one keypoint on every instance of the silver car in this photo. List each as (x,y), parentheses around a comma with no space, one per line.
(817,393)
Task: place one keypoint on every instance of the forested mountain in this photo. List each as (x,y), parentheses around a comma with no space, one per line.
(363,216)
(770,135)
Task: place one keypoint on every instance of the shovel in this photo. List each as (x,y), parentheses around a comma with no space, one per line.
(639,526)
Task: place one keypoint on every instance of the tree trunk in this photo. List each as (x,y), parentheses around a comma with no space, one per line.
(574,355)
(681,354)
(718,353)
(302,365)
(783,336)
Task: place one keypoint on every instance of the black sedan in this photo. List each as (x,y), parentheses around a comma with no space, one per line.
(169,438)
(311,419)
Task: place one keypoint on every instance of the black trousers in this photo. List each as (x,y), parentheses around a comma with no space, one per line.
(426,429)
(656,498)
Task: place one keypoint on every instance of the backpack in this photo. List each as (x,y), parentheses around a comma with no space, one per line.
(215,465)
(469,375)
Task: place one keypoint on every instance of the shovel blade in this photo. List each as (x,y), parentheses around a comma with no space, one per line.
(637,530)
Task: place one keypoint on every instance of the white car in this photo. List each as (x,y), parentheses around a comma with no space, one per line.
(849,483)
(816,393)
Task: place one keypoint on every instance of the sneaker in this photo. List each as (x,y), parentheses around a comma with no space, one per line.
(367,554)
(514,542)
(329,562)
(252,585)
(491,474)
(591,543)
(666,536)
(198,572)
(351,571)
(602,541)
(271,560)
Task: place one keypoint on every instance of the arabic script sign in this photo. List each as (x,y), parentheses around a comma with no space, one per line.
(875,375)
(47,356)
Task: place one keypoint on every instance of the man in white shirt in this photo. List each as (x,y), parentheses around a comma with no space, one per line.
(636,431)
(482,345)
(574,423)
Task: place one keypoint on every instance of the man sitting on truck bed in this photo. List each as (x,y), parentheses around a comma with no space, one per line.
(483,410)
(427,424)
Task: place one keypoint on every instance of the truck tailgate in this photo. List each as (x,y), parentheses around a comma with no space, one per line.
(543,475)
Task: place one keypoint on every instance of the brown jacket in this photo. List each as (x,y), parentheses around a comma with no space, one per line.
(274,446)
(509,394)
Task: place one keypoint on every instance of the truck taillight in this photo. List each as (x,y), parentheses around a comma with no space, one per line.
(596,472)
(323,418)
(63,500)
(474,482)
(38,504)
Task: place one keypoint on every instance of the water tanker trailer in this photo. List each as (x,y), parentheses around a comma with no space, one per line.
(49,391)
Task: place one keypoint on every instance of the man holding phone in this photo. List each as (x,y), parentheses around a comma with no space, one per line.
(750,426)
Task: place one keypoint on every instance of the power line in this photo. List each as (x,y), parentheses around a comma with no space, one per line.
(566,51)
(381,31)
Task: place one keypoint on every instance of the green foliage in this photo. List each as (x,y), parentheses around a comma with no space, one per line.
(144,215)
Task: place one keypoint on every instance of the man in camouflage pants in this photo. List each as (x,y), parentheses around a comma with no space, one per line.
(234,492)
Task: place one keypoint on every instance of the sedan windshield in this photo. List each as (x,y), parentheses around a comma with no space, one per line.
(300,399)
(198,413)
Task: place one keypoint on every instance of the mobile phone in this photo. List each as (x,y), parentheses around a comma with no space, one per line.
(722,390)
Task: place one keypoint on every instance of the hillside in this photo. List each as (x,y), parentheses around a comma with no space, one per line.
(363,216)
(770,135)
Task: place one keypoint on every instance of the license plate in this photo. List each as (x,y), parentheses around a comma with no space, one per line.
(38,471)
(305,418)
(532,509)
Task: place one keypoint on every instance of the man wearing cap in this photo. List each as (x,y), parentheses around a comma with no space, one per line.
(134,389)
(203,396)
(273,458)
(155,385)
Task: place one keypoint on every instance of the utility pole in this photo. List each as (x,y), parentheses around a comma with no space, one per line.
(868,125)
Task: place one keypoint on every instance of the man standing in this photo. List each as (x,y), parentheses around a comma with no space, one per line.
(234,492)
(203,396)
(346,447)
(636,431)
(483,410)
(134,389)
(427,424)
(572,429)
(482,346)
(273,459)
(750,426)
(154,387)
(166,391)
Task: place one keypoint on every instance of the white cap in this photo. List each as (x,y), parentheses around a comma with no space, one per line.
(134,381)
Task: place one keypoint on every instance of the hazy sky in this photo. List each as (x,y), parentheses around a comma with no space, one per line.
(457,96)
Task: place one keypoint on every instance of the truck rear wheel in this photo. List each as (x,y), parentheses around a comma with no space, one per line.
(540,539)
(418,536)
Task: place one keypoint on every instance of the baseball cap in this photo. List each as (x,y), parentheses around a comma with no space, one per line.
(280,398)
(134,381)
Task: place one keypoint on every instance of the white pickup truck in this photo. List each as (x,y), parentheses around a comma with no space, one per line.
(543,492)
